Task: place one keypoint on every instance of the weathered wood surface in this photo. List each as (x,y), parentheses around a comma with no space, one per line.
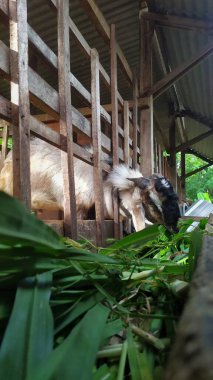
(146,116)
(66,129)
(20,111)
(96,140)
(192,354)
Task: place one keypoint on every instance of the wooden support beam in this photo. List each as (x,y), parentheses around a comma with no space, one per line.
(4,149)
(164,84)
(189,174)
(146,116)
(67,162)
(193,141)
(195,116)
(114,102)
(199,155)
(183,175)
(177,22)
(135,123)
(126,133)
(103,28)
(96,139)
(20,100)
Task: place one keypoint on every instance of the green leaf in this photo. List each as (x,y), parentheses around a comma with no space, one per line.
(29,335)
(134,358)
(18,225)
(75,357)
(137,238)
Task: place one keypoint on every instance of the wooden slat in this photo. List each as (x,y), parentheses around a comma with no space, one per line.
(102,26)
(86,49)
(126,133)
(135,123)
(4,149)
(115,141)
(46,98)
(164,84)
(96,140)
(20,110)
(70,216)
(177,22)
(146,116)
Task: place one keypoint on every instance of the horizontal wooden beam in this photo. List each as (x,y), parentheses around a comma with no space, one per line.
(164,84)
(103,28)
(195,116)
(199,155)
(143,103)
(193,141)
(177,22)
(85,48)
(189,174)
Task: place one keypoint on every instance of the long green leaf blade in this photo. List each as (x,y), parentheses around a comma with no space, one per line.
(75,357)
(29,335)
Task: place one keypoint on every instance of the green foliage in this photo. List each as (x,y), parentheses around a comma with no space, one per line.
(199,182)
(68,313)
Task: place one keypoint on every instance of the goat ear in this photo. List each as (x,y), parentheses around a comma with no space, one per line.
(142,182)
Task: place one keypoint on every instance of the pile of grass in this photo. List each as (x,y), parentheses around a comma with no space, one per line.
(69,310)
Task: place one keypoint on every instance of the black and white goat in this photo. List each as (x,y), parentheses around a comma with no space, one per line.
(152,197)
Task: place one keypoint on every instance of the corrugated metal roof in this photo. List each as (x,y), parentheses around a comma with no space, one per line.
(195,90)
(200,208)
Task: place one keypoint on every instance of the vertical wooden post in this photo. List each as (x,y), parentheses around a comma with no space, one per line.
(172,158)
(67,162)
(114,101)
(135,123)
(126,132)
(146,116)
(159,159)
(5,134)
(183,173)
(20,100)
(96,138)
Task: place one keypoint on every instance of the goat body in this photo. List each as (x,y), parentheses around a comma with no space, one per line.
(152,196)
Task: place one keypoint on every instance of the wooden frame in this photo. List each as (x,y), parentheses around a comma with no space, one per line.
(58,119)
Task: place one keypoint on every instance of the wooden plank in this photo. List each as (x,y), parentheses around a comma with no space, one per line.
(20,110)
(135,123)
(5,108)
(177,22)
(5,136)
(143,103)
(191,355)
(103,28)
(126,133)
(97,152)
(67,162)
(146,116)
(85,48)
(164,84)
(115,140)
(193,141)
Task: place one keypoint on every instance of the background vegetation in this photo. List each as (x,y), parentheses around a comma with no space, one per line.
(200,182)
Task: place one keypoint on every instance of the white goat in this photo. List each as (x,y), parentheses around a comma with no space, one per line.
(153,196)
